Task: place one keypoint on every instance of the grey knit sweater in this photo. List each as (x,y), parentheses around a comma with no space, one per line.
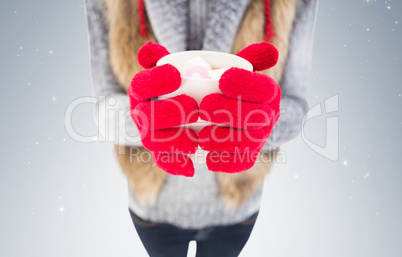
(185,25)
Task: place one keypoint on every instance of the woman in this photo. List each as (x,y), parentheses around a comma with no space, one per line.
(218,210)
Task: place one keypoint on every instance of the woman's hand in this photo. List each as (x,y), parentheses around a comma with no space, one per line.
(158,120)
(248,109)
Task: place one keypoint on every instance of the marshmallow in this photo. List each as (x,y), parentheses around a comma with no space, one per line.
(196,61)
(197,67)
(216,74)
(197,72)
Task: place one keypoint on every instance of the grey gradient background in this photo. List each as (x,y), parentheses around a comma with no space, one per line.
(59,197)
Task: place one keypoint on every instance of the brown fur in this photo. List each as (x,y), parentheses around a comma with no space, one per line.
(252,30)
(125,39)
(145,179)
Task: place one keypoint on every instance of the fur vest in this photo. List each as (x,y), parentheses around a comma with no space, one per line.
(144,178)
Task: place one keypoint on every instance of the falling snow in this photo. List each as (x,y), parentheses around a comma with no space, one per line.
(22,51)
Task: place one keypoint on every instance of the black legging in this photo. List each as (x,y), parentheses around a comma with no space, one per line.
(165,240)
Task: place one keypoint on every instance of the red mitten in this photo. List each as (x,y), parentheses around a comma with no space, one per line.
(248,109)
(158,120)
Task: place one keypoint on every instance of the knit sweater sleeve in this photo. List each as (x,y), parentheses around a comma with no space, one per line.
(113,106)
(296,76)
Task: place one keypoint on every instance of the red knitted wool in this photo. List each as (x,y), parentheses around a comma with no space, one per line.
(231,162)
(174,164)
(269,26)
(174,140)
(150,53)
(234,113)
(233,81)
(249,105)
(230,139)
(160,80)
(167,113)
(141,16)
(156,119)
(234,142)
(262,56)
